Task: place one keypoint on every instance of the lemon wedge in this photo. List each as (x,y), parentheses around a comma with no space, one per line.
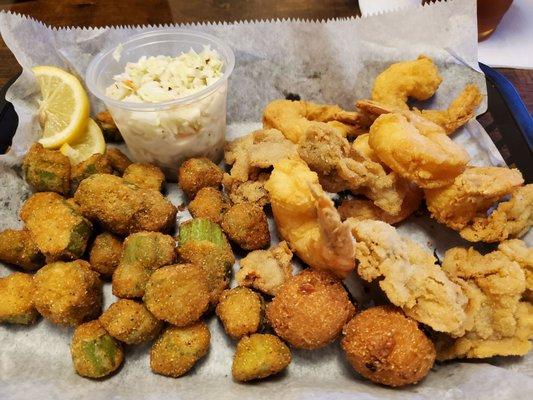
(90,142)
(64,108)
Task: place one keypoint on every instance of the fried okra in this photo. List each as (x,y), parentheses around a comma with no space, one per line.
(246,224)
(130,322)
(178,294)
(241,311)
(47,170)
(123,208)
(95,164)
(142,254)
(117,159)
(310,309)
(56,226)
(94,352)
(258,356)
(202,243)
(178,349)
(109,128)
(105,254)
(385,346)
(197,173)
(209,203)
(18,248)
(146,176)
(68,293)
(16,306)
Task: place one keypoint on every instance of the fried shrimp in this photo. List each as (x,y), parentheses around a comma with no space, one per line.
(417,149)
(410,276)
(310,309)
(472,192)
(511,219)
(292,118)
(417,79)
(385,346)
(306,218)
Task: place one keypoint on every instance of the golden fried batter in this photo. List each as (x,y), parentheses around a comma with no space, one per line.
(249,191)
(209,203)
(117,159)
(385,346)
(409,275)
(18,248)
(516,250)
(241,311)
(246,224)
(16,306)
(266,270)
(47,170)
(310,309)
(105,253)
(109,128)
(197,173)
(146,176)
(95,164)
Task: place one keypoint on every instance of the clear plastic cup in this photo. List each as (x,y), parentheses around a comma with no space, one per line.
(166,133)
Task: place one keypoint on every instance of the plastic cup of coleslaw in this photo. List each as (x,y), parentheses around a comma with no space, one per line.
(166,133)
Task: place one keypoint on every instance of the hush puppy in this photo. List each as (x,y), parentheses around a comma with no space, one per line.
(241,311)
(246,224)
(16,292)
(197,173)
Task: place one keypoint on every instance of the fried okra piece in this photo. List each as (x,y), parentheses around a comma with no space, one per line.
(385,346)
(117,159)
(123,208)
(201,242)
(246,224)
(109,128)
(197,173)
(241,311)
(47,170)
(209,203)
(310,309)
(16,294)
(130,322)
(142,254)
(178,294)
(178,349)
(68,293)
(95,164)
(266,270)
(258,356)
(105,254)
(94,352)
(56,226)
(18,248)
(146,176)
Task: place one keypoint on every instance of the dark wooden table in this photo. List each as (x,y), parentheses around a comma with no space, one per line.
(116,12)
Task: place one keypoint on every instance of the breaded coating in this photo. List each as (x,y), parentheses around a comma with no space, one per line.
(178,294)
(472,192)
(16,306)
(146,176)
(516,250)
(209,203)
(241,311)
(142,254)
(68,293)
(416,79)
(306,218)
(57,228)
(249,191)
(109,128)
(117,159)
(178,349)
(511,219)
(385,346)
(94,352)
(498,322)
(266,270)
(95,164)
(47,170)
(258,150)
(130,322)
(360,209)
(124,208)
(246,224)
(197,173)
(105,254)
(310,309)
(258,356)
(409,276)
(18,248)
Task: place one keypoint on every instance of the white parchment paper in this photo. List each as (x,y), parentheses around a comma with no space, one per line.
(334,61)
